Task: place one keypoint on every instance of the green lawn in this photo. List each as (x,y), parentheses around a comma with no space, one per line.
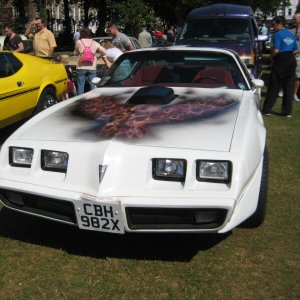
(44,260)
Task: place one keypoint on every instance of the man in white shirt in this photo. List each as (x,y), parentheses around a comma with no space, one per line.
(145,39)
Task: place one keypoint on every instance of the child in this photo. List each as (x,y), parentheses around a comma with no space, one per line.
(71,89)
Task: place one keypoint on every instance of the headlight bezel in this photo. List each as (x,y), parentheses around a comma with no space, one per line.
(12,160)
(214,179)
(155,171)
(45,166)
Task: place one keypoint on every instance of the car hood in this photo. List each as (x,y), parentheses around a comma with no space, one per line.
(193,119)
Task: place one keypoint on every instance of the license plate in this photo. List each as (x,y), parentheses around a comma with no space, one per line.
(99,217)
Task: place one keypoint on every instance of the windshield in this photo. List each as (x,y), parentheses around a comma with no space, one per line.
(233,29)
(205,69)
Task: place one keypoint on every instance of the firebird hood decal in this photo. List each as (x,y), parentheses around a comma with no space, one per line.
(190,121)
(134,121)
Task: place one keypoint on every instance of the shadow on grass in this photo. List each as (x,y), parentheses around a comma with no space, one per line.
(166,247)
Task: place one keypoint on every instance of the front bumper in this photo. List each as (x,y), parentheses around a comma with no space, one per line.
(139,214)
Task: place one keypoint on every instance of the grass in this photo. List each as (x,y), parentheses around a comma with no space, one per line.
(44,260)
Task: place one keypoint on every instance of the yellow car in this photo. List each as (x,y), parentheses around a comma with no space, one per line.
(28,85)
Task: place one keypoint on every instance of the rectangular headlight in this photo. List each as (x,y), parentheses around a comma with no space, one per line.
(248,60)
(20,157)
(214,171)
(172,169)
(55,161)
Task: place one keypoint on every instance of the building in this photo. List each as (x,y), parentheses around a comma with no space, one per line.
(287,11)
(55,15)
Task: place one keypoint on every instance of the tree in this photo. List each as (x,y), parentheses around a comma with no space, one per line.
(65,37)
(102,16)
(131,15)
(175,11)
(41,7)
(21,17)
(67,31)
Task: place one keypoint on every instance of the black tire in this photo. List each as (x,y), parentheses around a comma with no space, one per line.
(48,98)
(259,215)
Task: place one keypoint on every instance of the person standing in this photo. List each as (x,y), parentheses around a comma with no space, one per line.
(13,41)
(86,69)
(282,68)
(112,53)
(145,38)
(297,74)
(43,39)
(171,36)
(76,35)
(120,40)
(264,30)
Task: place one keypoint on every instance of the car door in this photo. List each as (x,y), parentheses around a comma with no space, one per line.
(135,43)
(15,90)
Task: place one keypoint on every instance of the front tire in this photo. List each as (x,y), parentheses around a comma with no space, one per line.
(48,98)
(259,215)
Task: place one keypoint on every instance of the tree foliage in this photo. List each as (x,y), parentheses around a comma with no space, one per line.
(21,18)
(175,11)
(132,14)
(41,6)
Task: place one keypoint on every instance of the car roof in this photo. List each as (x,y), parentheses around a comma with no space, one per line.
(221,10)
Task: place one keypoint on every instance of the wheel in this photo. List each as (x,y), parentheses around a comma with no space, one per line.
(259,215)
(47,99)
(208,78)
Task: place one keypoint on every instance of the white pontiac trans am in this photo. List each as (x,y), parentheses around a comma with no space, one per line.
(171,141)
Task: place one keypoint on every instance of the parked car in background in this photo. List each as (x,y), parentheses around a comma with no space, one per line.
(227,26)
(171,141)
(28,85)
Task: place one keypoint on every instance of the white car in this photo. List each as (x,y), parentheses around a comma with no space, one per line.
(171,141)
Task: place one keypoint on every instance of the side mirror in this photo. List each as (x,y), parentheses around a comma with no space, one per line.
(262,38)
(96,80)
(258,83)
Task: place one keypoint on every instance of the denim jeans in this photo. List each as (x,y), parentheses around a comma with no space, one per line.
(81,77)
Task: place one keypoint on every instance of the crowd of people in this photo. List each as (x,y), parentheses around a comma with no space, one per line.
(44,45)
(285,57)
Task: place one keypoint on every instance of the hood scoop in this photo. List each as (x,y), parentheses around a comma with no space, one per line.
(159,95)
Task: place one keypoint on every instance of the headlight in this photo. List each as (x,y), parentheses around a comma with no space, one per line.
(20,157)
(55,161)
(169,169)
(248,60)
(214,171)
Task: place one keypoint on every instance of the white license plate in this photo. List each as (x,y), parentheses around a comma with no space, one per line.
(99,217)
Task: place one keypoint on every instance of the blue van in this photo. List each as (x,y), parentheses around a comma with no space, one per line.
(225,26)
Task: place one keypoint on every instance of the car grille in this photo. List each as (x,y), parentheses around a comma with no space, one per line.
(43,206)
(174,218)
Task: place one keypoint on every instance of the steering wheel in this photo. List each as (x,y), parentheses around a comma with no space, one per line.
(208,78)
